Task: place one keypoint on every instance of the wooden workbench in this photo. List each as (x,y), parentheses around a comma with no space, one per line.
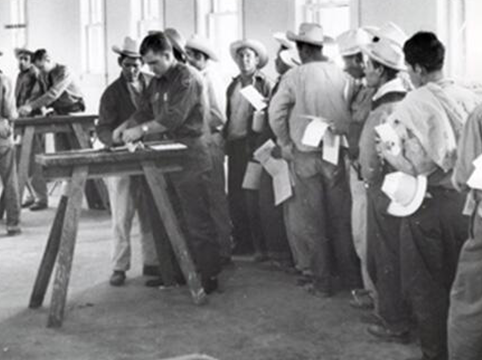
(78,125)
(78,166)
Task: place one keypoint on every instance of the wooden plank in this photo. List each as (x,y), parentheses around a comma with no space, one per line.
(157,185)
(50,255)
(25,155)
(55,119)
(67,246)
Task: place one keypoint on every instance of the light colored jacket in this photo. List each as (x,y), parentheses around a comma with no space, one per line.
(312,89)
(8,110)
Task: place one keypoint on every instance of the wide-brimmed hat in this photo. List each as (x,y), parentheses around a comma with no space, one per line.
(254,45)
(177,40)
(406,193)
(129,48)
(310,33)
(350,42)
(390,31)
(386,53)
(283,40)
(20,51)
(199,43)
(290,58)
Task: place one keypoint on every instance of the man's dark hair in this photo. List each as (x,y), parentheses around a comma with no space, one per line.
(390,72)
(39,55)
(426,50)
(155,42)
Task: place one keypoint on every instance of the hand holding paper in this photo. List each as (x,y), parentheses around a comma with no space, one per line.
(389,136)
(314,131)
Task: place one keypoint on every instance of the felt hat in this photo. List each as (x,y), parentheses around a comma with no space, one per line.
(177,40)
(254,45)
(390,31)
(350,42)
(290,58)
(199,43)
(386,53)
(310,33)
(129,48)
(20,51)
(283,40)
(406,193)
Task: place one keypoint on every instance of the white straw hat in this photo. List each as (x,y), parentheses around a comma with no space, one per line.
(310,33)
(390,31)
(199,43)
(386,52)
(406,192)
(350,42)
(254,45)
(129,48)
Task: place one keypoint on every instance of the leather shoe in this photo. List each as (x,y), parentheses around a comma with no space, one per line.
(27,203)
(151,270)
(385,334)
(117,278)
(210,285)
(13,231)
(37,205)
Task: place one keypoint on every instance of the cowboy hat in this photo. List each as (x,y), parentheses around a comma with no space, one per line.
(20,51)
(389,31)
(290,58)
(406,193)
(130,48)
(351,41)
(254,45)
(386,53)
(310,33)
(283,40)
(201,44)
(177,40)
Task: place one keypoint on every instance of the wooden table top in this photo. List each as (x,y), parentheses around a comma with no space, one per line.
(55,120)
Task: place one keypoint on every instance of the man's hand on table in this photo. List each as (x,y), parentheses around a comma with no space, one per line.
(133,134)
(24,110)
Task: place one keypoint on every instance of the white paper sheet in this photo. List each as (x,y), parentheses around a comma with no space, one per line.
(263,153)
(475,180)
(478,162)
(252,176)
(388,135)
(254,97)
(314,131)
(331,148)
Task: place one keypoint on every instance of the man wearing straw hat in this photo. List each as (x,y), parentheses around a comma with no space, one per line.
(200,54)
(27,88)
(385,61)
(241,140)
(118,102)
(320,209)
(8,170)
(429,122)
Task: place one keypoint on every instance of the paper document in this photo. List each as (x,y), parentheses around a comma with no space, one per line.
(254,97)
(263,153)
(252,176)
(475,180)
(388,135)
(282,183)
(314,131)
(478,162)
(331,148)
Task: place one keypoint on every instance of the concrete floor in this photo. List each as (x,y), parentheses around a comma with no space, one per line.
(260,315)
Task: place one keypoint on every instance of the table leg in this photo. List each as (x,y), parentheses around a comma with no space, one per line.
(50,255)
(25,155)
(157,185)
(99,184)
(67,245)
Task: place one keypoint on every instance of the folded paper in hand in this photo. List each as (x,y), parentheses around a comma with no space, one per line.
(252,176)
(263,153)
(314,131)
(389,136)
(254,97)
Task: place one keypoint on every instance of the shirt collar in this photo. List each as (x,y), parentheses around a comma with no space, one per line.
(395,85)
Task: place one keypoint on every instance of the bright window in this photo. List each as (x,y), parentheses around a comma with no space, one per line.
(18,24)
(147,16)
(333,15)
(93,36)
(221,22)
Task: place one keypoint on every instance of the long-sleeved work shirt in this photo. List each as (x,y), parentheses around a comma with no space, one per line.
(28,86)
(116,106)
(61,89)
(312,89)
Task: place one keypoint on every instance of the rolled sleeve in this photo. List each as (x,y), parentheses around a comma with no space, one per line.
(61,81)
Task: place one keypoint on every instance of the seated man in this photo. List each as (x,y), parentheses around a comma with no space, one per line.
(119,101)
(8,170)
(175,107)
(27,88)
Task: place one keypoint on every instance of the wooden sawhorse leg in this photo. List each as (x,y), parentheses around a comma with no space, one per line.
(62,241)
(157,185)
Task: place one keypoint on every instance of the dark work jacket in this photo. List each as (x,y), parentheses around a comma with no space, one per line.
(263,85)
(116,106)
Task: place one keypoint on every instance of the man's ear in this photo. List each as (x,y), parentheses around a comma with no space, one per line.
(419,70)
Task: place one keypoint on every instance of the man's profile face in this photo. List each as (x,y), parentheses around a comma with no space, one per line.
(247,60)
(372,74)
(158,62)
(354,66)
(131,68)
(24,61)
(196,59)
(43,65)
